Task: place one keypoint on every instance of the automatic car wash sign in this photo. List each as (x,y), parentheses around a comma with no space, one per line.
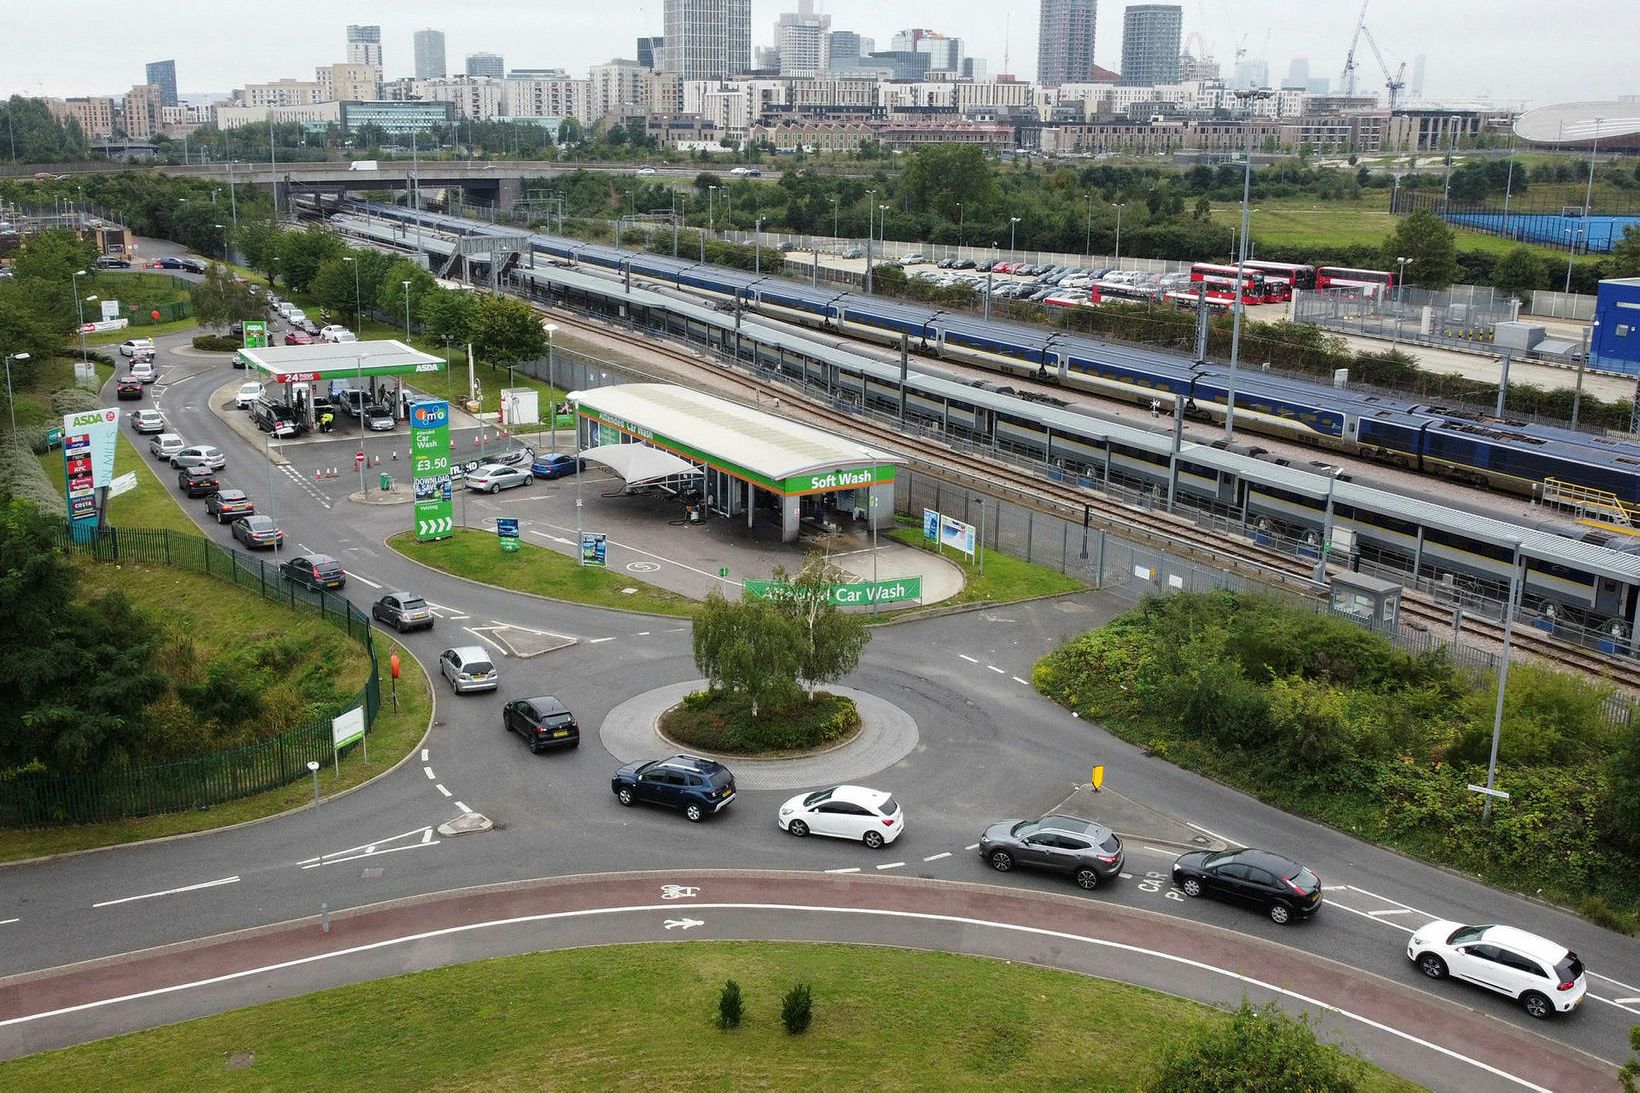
(430,468)
(88,462)
(858,594)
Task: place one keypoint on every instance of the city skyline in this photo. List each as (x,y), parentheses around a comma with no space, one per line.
(1466,59)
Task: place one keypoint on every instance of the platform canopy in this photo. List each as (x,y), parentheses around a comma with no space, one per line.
(639,463)
(339,360)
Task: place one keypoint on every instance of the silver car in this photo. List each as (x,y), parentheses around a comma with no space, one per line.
(165,445)
(469,668)
(494,478)
(200,455)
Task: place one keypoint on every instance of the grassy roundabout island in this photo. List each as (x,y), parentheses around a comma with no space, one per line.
(723,723)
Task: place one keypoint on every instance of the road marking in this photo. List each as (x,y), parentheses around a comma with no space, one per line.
(1022,682)
(1335,887)
(814,909)
(169,891)
(424,755)
(1158,849)
(440,787)
(370,849)
(431,777)
(462,808)
(643,633)
(1368,916)
(1620,1001)
(893,865)
(683,923)
(368,852)
(485,640)
(1391,911)
(997,670)
(458,618)
(366,580)
(964,656)
(1615,982)
(972,846)
(851,869)
(9,921)
(599,641)
(1216,835)
(937,857)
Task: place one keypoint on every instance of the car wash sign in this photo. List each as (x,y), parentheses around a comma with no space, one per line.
(857,594)
(88,463)
(430,469)
(841,479)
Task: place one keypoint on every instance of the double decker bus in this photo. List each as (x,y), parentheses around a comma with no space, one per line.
(1186,301)
(1375,283)
(1295,275)
(1221,283)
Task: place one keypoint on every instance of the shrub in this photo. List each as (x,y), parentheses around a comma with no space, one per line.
(22,477)
(730,1006)
(216,343)
(797,1009)
(1258,1048)
(74,400)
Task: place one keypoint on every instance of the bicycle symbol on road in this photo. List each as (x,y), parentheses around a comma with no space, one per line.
(679,891)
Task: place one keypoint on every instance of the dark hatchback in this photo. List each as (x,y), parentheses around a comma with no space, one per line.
(128,387)
(543,722)
(316,571)
(402,612)
(197,481)
(700,787)
(1282,887)
(1085,850)
(228,505)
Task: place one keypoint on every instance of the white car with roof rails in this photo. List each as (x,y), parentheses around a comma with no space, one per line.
(1544,976)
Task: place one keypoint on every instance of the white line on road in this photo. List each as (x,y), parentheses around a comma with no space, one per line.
(169,891)
(485,640)
(370,852)
(427,836)
(599,641)
(937,857)
(1614,982)
(366,580)
(9,921)
(1368,916)
(964,656)
(1620,1001)
(997,670)
(1392,911)
(440,787)
(1216,835)
(462,808)
(972,846)
(458,618)
(424,755)
(1393,902)
(643,633)
(853,869)
(431,777)
(893,865)
(1021,681)
(1159,850)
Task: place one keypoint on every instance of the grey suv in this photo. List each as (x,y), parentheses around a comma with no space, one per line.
(1087,850)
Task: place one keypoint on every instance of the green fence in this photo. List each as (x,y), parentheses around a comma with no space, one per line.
(200,781)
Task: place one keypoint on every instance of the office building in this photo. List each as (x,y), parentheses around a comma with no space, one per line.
(486,64)
(1064,45)
(1298,73)
(396,118)
(707,39)
(804,41)
(844,48)
(648,48)
(364,46)
(944,54)
(285,92)
(1151,34)
(163,75)
(429,45)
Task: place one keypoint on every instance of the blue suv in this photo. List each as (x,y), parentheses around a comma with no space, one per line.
(699,786)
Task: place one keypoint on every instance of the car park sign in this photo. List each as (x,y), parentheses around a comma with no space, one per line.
(430,468)
(88,464)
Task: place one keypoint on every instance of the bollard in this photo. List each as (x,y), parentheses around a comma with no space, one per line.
(324,918)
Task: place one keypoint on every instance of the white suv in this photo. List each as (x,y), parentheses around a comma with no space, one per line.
(130,346)
(335,333)
(1545,977)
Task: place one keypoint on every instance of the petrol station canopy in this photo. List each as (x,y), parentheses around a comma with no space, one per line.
(335,361)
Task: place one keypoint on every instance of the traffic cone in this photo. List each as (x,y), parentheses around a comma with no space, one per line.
(395,457)
(318,473)
(377,461)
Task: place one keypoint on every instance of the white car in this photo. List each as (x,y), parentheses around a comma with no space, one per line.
(335,333)
(165,445)
(247,395)
(493,478)
(296,316)
(646,170)
(143,369)
(1543,975)
(129,347)
(845,812)
(200,455)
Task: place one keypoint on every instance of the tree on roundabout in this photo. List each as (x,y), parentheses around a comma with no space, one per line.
(765,658)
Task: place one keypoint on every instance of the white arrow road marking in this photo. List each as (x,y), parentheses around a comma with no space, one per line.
(169,891)
(683,923)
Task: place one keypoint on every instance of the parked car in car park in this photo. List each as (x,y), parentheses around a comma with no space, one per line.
(227,505)
(1544,976)
(468,668)
(109,261)
(258,531)
(556,465)
(128,387)
(493,478)
(316,571)
(402,612)
(379,418)
(200,455)
(147,421)
(543,722)
(857,813)
(165,445)
(1085,850)
(130,346)
(197,480)
(1284,889)
(699,787)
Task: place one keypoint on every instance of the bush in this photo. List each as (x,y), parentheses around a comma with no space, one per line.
(1258,1048)
(797,1010)
(22,477)
(74,400)
(729,1006)
(722,722)
(217,343)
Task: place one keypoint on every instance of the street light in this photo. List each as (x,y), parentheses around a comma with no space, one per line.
(1571,252)
(711,209)
(1117,205)
(79,312)
(224,228)
(10,402)
(1248,98)
(1087,232)
(1503,677)
(962,222)
(313,769)
(552,397)
(757,243)
(406,285)
(871,235)
(1013,226)
(358,307)
(1400,279)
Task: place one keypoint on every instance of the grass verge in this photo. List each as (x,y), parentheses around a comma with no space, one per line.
(395,733)
(1005,579)
(979,1025)
(476,556)
(151,504)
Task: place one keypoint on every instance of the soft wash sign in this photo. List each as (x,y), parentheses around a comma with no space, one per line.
(840,480)
(430,468)
(88,462)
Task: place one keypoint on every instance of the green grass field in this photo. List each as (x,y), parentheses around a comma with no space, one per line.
(641,1016)
(1005,579)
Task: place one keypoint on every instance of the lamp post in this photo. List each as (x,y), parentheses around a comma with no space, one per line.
(757,244)
(406,285)
(1247,98)
(552,396)
(1323,547)
(1117,258)
(871,233)
(834,198)
(10,402)
(1571,252)
(1503,677)
(224,229)
(1013,226)
(1400,279)
(313,769)
(79,311)
(1087,232)
(962,223)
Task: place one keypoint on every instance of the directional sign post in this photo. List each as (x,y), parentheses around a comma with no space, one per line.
(430,469)
(506,531)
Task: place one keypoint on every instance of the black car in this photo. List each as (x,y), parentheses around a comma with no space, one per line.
(258,531)
(128,387)
(543,722)
(109,261)
(1086,850)
(227,505)
(316,571)
(402,612)
(698,786)
(197,481)
(1285,889)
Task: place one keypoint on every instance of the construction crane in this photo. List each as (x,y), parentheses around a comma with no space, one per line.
(1394,83)
(1347,81)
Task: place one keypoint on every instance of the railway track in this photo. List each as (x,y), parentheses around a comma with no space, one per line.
(1160,530)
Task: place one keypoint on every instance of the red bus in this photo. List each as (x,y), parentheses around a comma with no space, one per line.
(1297,276)
(1186,301)
(1221,283)
(1365,282)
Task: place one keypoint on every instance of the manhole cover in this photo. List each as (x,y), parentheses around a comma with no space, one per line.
(642,567)
(239,1060)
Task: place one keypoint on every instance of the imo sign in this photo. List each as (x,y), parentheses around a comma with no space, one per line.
(430,417)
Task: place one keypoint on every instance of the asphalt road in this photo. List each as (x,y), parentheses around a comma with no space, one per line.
(989,748)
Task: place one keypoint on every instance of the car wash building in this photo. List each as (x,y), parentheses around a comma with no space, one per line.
(317,373)
(747,460)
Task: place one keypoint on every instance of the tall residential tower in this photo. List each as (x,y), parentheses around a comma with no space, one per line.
(707,39)
(1151,34)
(429,45)
(163,75)
(1064,46)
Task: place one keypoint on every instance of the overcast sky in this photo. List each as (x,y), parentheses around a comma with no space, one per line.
(1513,52)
